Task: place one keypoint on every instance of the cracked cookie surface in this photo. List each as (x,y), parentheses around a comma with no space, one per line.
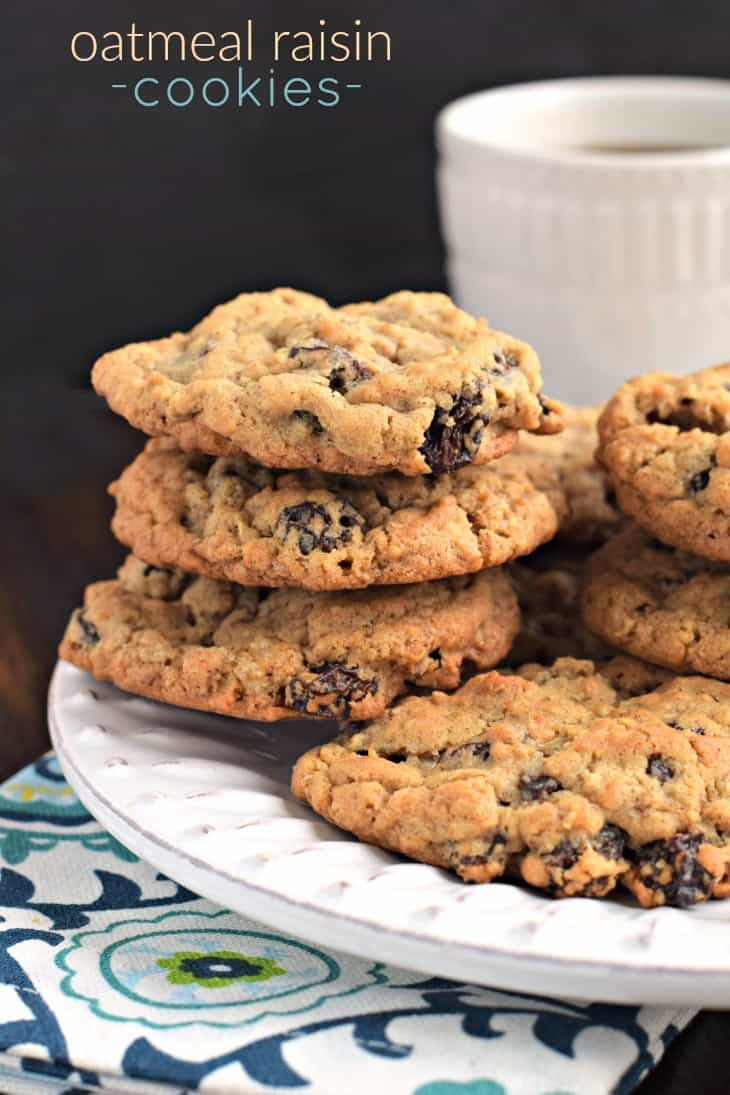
(572,777)
(590,515)
(665,443)
(659,603)
(409,383)
(252,653)
(226,518)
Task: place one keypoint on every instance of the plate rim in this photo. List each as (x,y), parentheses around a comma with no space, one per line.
(278,914)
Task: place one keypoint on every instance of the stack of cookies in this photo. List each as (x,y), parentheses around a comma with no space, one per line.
(321,521)
(328,517)
(660,588)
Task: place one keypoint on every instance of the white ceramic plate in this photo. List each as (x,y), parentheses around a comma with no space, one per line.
(206,800)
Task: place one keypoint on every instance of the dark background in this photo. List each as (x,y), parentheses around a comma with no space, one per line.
(125,223)
(122,223)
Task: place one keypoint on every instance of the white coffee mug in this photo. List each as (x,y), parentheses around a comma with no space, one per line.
(591,217)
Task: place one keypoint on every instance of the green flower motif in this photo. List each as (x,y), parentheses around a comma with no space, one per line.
(202,967)
(217,969)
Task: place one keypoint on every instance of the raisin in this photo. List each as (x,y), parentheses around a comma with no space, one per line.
(315,345)
(345,372)
(678,726)
(700,480)
(536,788)
(495,849)
(545,406)
(347,375)
(685,418)
(471,750)
(609,841)
(330,692)
(671,867)
(659,768)
(564,855)
(310,420)
(455,433)
(314,528)
(505,361)
(88,630)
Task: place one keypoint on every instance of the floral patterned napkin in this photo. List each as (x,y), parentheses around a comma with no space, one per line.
(114,978)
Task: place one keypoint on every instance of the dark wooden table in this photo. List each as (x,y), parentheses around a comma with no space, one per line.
(59,448)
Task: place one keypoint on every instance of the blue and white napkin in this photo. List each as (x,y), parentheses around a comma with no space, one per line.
(114,978)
